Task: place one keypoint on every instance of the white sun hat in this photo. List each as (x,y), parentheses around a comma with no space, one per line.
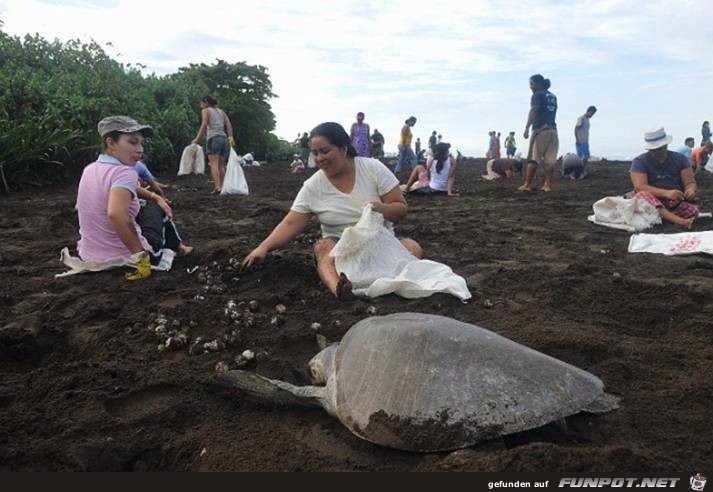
(656,138)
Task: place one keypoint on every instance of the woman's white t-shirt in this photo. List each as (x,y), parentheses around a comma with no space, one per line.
(439,181)
(336,210)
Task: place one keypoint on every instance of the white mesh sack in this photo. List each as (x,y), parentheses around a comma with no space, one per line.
(234,182)
(192,160)
(377,264)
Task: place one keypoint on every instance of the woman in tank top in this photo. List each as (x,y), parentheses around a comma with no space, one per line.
(219,138)
(437,177)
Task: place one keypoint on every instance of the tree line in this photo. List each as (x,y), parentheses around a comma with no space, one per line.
(52,94)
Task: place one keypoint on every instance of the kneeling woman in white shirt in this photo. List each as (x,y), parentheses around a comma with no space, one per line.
(336,194)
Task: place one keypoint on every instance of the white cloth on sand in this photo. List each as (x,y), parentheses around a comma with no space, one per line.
(627,214)
(234,182)
(192,160)
(377,264)
(77,265)
(684,243)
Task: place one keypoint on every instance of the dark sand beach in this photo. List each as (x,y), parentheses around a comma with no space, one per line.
(83,385)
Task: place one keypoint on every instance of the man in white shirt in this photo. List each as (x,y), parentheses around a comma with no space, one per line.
(581,134)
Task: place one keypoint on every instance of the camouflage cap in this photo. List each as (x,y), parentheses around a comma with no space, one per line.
(122,124)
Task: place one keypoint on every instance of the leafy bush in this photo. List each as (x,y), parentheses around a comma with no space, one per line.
(53,94)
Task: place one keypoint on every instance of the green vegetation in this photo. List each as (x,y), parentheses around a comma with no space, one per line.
(52,95)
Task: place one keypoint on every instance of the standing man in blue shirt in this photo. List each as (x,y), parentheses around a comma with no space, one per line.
(544,144)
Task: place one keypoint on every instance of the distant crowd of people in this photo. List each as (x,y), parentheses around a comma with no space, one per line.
(114,224)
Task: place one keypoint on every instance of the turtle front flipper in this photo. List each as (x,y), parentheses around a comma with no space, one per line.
(273,390)
(604,403)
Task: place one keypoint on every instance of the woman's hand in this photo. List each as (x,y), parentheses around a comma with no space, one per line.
(453,194)
(378,207)
(256,256)
(194,141)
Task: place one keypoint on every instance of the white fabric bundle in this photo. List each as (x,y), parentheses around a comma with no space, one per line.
(377,264)
(234,182)
(627,214)
(684,243)
(77,265)
(192,160)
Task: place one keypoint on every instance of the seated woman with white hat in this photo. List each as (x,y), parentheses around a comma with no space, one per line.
(665,179)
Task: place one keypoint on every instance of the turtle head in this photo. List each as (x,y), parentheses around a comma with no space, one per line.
(322,365)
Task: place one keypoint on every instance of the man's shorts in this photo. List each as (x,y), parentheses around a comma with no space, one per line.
(583,151)
(544,146)
(218,144)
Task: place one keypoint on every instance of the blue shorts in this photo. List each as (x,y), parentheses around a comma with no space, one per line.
(583,151)
(218,144)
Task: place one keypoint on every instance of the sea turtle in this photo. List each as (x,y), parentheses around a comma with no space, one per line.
(424,383)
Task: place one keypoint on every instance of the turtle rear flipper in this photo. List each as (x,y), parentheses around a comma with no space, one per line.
(273,390)
(603,403)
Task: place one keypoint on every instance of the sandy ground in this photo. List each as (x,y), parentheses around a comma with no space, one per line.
(84,387)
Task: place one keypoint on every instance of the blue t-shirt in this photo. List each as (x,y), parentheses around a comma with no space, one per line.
(685,150)
(666,175)
(546,103)
(143,171)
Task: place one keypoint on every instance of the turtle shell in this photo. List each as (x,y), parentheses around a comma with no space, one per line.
(421,382)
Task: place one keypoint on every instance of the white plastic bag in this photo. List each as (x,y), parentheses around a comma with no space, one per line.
(628,214)
(234,182)
(192,160)
(377,263)
(311,163)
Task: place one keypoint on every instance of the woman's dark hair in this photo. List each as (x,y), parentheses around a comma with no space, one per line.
(335,135)
(441,154)
(410,118)
(210,100)
(539,79)
(360,114)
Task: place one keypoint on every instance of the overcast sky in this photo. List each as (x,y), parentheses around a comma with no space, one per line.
(460,67)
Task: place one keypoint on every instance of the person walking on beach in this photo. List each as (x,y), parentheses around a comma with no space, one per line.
(496,147)
(432,141)
(405,150)
(581,134)
(360,136)
(491,145)
(219,139)
(544,144)
(377,141)
(705,133)
(304,146)
(510,146)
